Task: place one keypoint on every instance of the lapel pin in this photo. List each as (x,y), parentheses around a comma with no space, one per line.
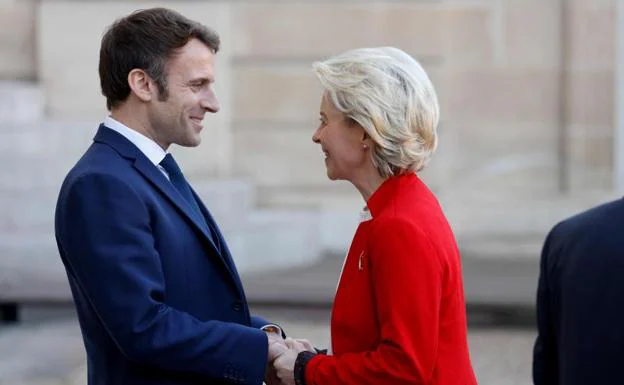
(360,265)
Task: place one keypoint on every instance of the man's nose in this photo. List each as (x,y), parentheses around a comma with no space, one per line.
(211,103)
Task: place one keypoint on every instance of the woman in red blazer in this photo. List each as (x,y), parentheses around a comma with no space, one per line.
(399,314)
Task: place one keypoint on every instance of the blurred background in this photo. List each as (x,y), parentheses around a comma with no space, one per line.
(531,132)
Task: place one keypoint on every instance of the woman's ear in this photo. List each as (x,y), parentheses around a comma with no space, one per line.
(366,141)
(141,85)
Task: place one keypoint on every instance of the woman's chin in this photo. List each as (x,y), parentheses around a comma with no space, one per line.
(332,175)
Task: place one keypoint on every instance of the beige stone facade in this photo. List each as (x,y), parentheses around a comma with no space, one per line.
(527,91)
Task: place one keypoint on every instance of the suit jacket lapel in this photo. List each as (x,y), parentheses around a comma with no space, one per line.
(158,180)
(151,173)
(225,252)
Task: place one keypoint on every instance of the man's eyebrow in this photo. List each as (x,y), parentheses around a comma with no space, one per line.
(202,80)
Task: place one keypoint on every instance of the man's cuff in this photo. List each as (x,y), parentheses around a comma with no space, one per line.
(272,328)
(300,365)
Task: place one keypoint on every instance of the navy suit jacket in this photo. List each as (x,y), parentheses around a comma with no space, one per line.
(580,300)
(157,301)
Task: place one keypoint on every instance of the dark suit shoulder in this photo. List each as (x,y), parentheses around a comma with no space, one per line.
(100,159)
(606,214)
(580,236)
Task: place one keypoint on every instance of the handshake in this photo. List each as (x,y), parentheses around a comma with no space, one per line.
(281,359)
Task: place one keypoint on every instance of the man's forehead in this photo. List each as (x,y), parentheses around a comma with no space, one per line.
(193,67)
(194,53)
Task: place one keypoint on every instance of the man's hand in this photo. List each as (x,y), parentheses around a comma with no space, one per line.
(277,346)
(284,365)
(270,376)
(302,344)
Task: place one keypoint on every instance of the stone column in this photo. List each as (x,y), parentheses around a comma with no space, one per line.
(590,91)
(618,142)
(17,35)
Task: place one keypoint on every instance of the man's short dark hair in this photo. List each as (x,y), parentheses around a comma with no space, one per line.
(147,40)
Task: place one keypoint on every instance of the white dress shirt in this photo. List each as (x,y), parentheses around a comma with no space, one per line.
(147,146)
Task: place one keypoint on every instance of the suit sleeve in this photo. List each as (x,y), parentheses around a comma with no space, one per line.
(260,323)
(103,231)
(545,367)
(406,276)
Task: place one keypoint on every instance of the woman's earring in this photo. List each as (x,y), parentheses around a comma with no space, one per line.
(364,146)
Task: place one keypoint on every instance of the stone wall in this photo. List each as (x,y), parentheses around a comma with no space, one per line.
(526,90)
(17,40)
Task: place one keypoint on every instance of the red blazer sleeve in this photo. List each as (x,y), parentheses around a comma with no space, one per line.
(406,275)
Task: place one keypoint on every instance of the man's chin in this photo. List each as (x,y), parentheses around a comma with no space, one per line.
(189,144)
(193,141)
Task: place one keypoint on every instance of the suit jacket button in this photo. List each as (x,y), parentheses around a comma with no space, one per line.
(237,306)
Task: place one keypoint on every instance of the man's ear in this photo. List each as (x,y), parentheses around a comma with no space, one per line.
(141,85)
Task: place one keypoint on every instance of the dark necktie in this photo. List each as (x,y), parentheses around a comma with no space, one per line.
(179,182)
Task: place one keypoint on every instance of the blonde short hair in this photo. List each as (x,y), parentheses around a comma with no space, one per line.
(389,94)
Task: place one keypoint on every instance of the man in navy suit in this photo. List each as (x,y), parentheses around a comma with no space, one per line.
(157,294)
(580,300)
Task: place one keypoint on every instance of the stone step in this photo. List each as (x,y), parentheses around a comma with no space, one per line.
(29,199)
(47,139)
(491,222)
(229,200)
(30,269)
(498,284)
(500,248)
(274,239)
(42,354)
(338,225)
(28,210)
(21,102)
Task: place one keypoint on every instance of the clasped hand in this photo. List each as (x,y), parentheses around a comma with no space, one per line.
(281,359)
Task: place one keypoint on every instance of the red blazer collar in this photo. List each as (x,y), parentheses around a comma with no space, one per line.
(384,193)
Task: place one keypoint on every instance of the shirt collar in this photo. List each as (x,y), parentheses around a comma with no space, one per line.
(147,146)
(365,214)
